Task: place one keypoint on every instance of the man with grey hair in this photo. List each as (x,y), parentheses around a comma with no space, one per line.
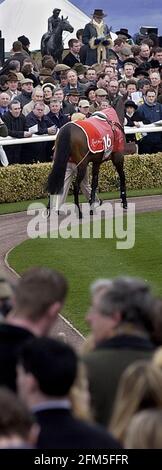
(41,124)
(121,321)
(37,95)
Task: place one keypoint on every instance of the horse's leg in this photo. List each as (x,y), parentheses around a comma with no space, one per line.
(118,161)
(80,175)
(95,173)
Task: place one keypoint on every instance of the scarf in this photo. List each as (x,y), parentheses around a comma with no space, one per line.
(101,50)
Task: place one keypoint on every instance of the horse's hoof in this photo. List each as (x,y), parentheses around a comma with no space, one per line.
(80,215)
(100,202)
(91,212)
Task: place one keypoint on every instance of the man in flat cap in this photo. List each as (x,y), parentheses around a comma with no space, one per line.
(96,36)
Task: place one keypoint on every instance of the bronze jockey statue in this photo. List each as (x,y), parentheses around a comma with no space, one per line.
(54,20)
(97,38)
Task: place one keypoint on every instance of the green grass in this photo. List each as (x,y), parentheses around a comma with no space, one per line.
(11,207)
(84,260)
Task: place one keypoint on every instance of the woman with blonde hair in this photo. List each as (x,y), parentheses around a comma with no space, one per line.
(140,388)
(145,431)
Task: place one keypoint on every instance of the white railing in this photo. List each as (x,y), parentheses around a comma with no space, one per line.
(46,138)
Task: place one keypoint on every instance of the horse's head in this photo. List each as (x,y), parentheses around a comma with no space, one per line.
(66,26)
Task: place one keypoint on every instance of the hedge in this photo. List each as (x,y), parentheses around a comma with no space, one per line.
(23,182)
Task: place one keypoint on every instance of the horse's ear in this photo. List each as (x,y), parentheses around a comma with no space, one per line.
(62,17)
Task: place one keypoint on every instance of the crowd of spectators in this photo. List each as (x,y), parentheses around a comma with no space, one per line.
(129,79)
(95,397)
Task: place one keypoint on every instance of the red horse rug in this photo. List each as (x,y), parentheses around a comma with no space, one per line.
(103,136)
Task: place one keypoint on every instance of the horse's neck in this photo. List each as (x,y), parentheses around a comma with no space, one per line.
(57,34)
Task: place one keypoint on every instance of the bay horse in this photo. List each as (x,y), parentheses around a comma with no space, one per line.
(72,144)
(52,43)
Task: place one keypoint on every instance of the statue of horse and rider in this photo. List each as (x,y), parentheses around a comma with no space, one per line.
(51,42)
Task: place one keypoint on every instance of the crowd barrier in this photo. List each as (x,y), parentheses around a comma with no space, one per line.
(46,138)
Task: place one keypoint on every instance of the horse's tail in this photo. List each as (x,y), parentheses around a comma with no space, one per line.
(62,154)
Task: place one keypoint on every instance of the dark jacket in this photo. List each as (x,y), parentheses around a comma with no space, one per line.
(105,366)
(16,128)
(148,114)
(81,87)
(24,98)
(58,120)
(130,123)
(11,339)
(61,430)
(43,124)
(89,33)
(71,60)
(15,125)
(117,103)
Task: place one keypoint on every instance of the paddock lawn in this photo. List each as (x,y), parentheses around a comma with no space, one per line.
(84,260)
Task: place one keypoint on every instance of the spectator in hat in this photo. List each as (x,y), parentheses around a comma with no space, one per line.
(84,108)
(70,103)
(90,93)
(25,43)
(80,69)
(123,34)
(44,74)
(100,95)
(26,91)
(72,57)
(141,72)
(96,36)
(153,66)
(130,108)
